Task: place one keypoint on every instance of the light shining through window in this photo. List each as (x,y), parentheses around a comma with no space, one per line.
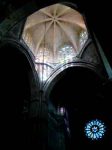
(66,54)
(95,129)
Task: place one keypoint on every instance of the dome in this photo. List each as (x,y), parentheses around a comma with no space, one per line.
(55,35)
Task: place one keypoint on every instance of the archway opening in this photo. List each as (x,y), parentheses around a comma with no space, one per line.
(78,92)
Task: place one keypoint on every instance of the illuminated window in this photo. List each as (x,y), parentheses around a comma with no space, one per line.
(55,35)
(83,38)
(66,54)
(61,111)
(95,129)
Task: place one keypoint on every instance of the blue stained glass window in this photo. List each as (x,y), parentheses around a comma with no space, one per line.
(95,129)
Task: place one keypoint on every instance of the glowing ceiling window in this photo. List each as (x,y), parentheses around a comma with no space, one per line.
(55,35)
(83,38)
(95,129)
(66,54)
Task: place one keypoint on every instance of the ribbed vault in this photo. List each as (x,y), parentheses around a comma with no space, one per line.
(55,35)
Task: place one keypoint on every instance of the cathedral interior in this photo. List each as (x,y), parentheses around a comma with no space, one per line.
(56,74)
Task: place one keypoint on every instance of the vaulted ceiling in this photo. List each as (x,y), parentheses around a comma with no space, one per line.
(98,15)
(55,35)
(52,29)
